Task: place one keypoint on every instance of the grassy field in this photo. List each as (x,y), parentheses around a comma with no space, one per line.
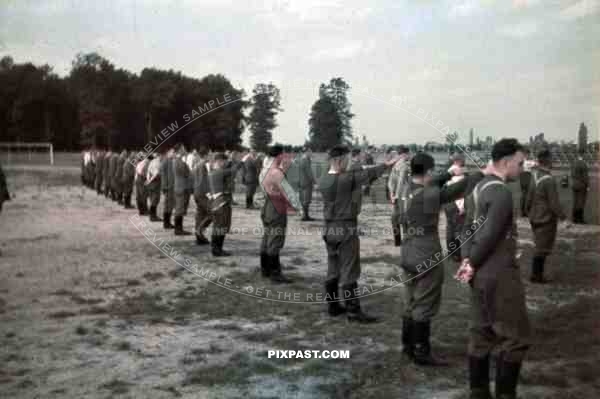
(89,307)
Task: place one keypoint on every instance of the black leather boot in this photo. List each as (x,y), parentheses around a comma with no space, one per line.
(537,270)
(408,346)
(479,377)
(179,231)
(153,216)
(397,236)
(127,202)
(353,309)
(276,274)
(201,239)
(217,246)
(334,307)
(421,334)
(507,378)
(167,220)
(265,267)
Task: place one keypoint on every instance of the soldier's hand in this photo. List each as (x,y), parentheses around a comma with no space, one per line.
(465,272)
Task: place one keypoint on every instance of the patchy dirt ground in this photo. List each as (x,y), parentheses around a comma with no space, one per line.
(89,307)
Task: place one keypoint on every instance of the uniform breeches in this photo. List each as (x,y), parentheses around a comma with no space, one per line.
(423,294)
(273,235)
(499,321)
(343,251)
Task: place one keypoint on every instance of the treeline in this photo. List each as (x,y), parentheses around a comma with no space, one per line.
(100,104)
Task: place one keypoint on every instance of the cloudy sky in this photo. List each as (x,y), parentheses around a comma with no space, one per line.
(505,68)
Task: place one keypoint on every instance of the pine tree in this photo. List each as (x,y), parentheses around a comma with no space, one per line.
(265,106)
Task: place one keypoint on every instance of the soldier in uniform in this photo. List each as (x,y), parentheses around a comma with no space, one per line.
(153,185)
(421,253)
(306,183)
(580,179)
(112,170)
(167,183)
(99,171)
(221,197)
(544,211)
(201,189)
(250,177)
(181,188)
(499,321)
(367,161)
(106,173)
(274,215)
(121,160)
(141,195)
(455,212)
(524,180)
(397,181)
(340,233)
(127,178)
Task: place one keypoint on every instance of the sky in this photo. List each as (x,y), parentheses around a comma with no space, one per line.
(511,68)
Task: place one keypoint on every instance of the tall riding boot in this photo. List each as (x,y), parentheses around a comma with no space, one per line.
(217,246)
(408,346)
(276,275)
(421,334)
(305,214)
(265,267)
(334,308)
(397,235)
(167,220)
(127,202)
(537,270)
(153,216)
(179,231)
(353,309)
(507,378)
(201,238)
(479,377)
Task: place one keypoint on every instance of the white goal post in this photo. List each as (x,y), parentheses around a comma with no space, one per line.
(15,151)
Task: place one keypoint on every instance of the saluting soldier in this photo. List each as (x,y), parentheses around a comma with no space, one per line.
(221,198)
(544,211)
(153,185)
(167,184)
(340,213)
(421,253)
(181,188)
(580,178)
(455,212)
(201,189)
(306,183)
(127,179)
(141,195)
(499,321)
(250,177)
(397,181)
(274,215)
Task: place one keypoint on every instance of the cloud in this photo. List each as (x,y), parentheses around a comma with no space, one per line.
(464,8)
(345,50)
(580,9)
(520,30)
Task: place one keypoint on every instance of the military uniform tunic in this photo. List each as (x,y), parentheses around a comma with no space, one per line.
(499,316)
(340,212)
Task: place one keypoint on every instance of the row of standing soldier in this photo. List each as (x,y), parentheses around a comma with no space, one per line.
(489,264)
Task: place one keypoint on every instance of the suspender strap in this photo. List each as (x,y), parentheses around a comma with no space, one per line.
(477,191)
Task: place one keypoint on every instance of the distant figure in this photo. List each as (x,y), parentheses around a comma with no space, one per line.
(141,195)
(524,180)
(4,195)
(368,161)
(306,183)
(167,186)
(153,185)
(397,181)
(199,174)
(580,187)
(544,210)
(250,177)
(127,179)
(181,189)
